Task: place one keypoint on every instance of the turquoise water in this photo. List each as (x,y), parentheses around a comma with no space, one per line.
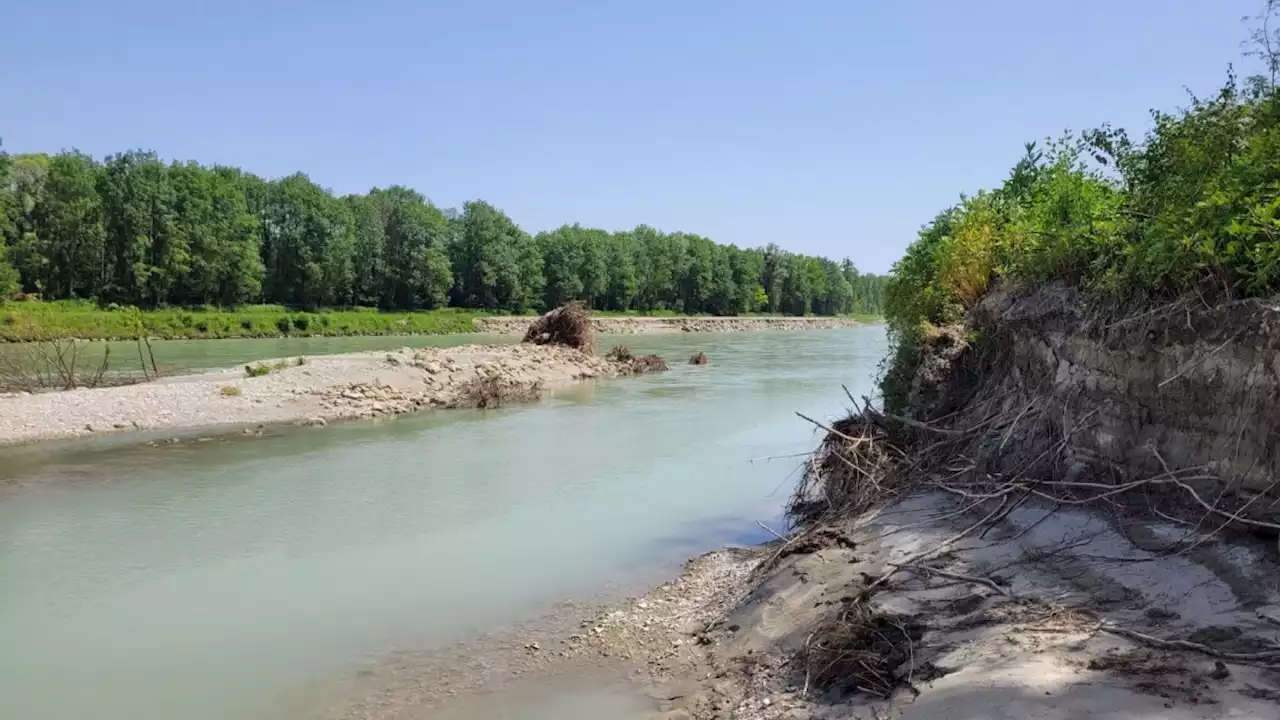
(215,580)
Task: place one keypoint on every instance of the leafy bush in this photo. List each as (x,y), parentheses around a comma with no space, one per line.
(283,324)
(1194,207)
(202,326)
(302,322)
(257,370)
(246,323)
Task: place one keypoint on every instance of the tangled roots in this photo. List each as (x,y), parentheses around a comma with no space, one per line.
(568,325)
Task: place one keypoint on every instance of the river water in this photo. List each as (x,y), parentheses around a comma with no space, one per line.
(219,579)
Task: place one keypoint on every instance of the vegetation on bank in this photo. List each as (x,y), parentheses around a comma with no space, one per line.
(1191,208)
(132,230)
(26,321)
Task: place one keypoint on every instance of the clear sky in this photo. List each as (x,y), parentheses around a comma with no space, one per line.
(832,127)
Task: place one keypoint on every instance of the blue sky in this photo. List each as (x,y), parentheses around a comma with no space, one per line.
(829,127)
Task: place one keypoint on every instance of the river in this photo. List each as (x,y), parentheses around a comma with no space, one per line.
(221,579)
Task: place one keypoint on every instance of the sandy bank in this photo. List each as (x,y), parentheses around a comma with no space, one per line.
(325,388)
(638,325)
(1050,614)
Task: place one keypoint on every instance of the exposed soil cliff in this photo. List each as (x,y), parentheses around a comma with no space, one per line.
(1185,392)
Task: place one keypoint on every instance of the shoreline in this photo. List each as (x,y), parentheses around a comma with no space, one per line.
(636,325)
(1031,621)
(517,324)
(315,391)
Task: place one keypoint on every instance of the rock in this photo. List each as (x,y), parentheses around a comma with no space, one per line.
(119,425)
(315,422)
(89,428)
(1270,613)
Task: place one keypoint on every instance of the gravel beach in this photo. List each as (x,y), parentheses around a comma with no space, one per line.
(320,390)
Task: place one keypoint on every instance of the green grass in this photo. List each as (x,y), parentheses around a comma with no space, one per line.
(79,319)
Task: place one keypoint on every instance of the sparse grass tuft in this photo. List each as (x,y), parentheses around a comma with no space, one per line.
(230,391)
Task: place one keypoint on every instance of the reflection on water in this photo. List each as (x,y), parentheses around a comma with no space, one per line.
(209,580)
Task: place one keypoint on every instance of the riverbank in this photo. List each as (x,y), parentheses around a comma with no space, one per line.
(23,321)
(313,391)
(1023,541)
(1050,614)
(635,325)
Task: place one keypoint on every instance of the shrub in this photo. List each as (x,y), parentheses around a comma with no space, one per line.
(202,326)
(283,324)
(302,322)
(257,370)
(246,323)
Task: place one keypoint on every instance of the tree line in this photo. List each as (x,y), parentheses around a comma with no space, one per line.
(131,229)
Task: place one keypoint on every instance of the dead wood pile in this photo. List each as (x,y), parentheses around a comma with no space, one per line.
(568,325)
(493,391)
(628,363)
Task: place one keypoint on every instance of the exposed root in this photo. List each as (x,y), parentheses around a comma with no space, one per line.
(630,364)
(863,651)
(699,358)
(620,354)
(568,325)
(492,391)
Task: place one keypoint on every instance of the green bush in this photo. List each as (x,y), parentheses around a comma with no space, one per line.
(283,325)
(257,370)
(1192,208)
(246,323)
(302,322)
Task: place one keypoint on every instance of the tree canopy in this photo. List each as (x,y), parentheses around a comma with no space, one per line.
(134,230)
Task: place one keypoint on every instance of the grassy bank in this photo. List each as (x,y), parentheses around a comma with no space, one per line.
(21,321)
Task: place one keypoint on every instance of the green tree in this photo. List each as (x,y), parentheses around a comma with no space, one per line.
(623,283)
(221,236)
(68,223)
(145,253)
(562,260)
(418,272)
(307,244)
(496,264)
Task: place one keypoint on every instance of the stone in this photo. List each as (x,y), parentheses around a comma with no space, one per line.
(1270,613)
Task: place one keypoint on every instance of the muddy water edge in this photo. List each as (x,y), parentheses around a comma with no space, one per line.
(249,577)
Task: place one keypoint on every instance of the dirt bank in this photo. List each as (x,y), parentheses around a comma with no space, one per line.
(638,325)
(324,389)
